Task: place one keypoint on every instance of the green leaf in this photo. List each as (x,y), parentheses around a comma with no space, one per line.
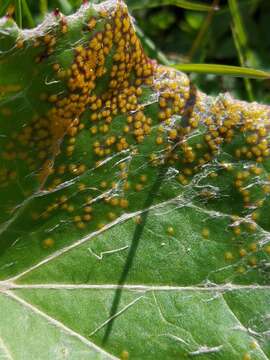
(224,70)
(3,6)
(65,6)
(240,41)
(238,23)
(150,48)
(134,216)
(43,7)
(18,12)
(200,41)
(242,62)
(27,13)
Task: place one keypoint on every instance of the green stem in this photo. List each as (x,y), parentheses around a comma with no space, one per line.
(65,6)
(3,7)
(18,12)
(241,42)
(43,7)
(247,82)
(203,30)
(151,48)
(238,23)
(27,13)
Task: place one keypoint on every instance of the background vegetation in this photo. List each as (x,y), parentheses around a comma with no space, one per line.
(235,33)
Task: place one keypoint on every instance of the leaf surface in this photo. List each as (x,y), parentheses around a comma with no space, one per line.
(134,215)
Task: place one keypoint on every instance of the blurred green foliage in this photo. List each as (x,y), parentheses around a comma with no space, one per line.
(235,34)
(217,45)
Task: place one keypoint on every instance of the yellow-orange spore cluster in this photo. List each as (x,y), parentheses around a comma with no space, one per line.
(229,119)
(113,83)
(121,95)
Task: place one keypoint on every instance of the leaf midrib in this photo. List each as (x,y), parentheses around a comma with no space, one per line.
(222,288)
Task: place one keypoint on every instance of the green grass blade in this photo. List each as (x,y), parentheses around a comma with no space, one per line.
(3,6)
(27,13)
(185,4)
(18,12)
(65,6)
(150,47)
(224,70)
(203,30)
(241,58)
(43,7)
(240,38)
(238,23)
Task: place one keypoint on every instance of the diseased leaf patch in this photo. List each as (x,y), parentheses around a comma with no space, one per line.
(108,119)
(94,133)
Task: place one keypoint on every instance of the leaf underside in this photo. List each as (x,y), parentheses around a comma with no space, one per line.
(134,215)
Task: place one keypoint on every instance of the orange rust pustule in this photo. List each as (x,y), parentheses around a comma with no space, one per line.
(87,68)
(182,111)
